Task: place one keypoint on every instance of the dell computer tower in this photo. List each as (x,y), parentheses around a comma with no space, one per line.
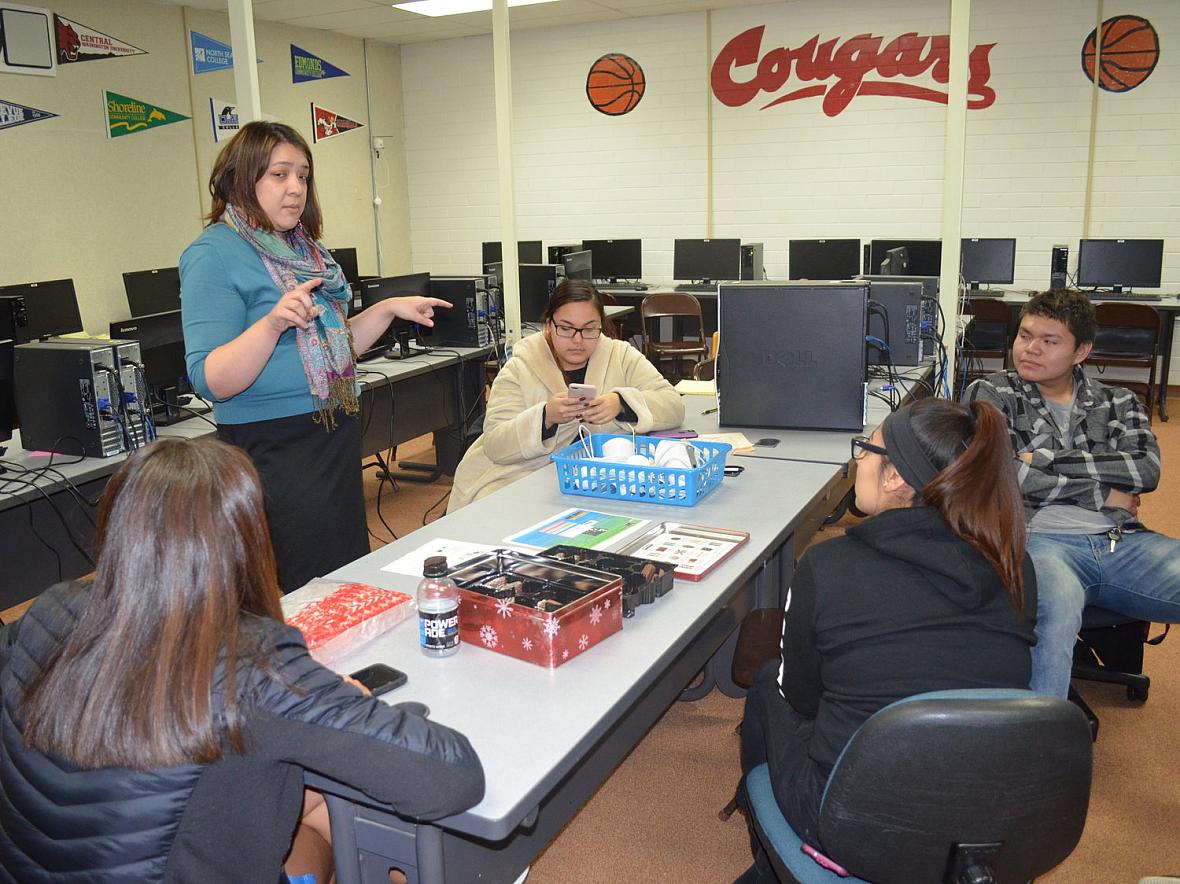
(792,355)
(900,316)
(1059,267)
(752,266)
(465,324)
(69,389)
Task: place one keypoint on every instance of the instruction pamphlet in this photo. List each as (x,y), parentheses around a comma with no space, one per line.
(578,527)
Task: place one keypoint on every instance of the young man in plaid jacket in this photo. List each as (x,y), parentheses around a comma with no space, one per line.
(1085,454)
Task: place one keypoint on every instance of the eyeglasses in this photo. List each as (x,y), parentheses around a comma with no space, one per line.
(568,331)
(862,446)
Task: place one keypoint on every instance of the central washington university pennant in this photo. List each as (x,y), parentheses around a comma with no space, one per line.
(78,42)
(126,116)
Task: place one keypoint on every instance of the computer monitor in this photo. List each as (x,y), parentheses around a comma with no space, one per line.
(346,258)
(616,259)
(925,255)
(1119,263)
(823,258)
(51,306)
(988,261)
(707,259)
(152,291)
(374,291)
(161,350)
(528,251)
(579,265)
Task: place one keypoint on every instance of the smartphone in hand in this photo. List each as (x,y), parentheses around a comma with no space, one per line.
(582,391)
(379,678)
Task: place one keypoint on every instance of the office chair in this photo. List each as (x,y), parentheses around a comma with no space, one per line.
(957,786)
(989,336)
(683,345)
(1110,649)
(1128,337)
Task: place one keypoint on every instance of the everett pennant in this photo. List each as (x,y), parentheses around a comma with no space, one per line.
(741,70)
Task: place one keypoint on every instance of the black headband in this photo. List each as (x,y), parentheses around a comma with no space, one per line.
(904,451)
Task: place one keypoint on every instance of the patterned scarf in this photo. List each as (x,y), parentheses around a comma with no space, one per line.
(325,347)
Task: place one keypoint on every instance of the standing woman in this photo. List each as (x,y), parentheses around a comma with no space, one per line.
(530,413)
(268,340)
(933,592)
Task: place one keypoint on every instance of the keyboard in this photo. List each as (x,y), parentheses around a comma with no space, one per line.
(613,287)
(696,287)
(985,293)
(1123,296)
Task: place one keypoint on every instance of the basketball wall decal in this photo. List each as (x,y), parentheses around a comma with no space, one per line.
(615,84)
(1130,52)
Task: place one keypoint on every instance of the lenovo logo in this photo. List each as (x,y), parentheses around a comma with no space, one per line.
(844,70)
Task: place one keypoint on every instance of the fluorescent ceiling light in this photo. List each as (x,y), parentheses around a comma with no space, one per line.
(455,7)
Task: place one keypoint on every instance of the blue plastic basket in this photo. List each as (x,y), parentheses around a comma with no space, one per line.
(579,474)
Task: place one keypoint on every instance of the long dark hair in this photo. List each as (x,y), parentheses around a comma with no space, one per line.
(183,553)
(975,491)
(245,159)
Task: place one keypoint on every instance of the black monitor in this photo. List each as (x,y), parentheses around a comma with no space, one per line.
(161,351)
(579,265)
(925,255)
(707,259)
(1120,263)
(346,258)
(528,251)
(152,291)
(375,290)
(988,261)
(51,306)
(823,258)
(616,259)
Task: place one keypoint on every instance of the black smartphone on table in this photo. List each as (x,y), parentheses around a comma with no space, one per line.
(379,678)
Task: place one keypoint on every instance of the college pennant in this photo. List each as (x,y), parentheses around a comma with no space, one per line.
(307,67)
(329,124)
(126,116)
(13,114)
(78,42)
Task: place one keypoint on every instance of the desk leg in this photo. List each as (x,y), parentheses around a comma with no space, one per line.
(1169,323)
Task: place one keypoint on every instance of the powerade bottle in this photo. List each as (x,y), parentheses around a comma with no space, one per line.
(438,609)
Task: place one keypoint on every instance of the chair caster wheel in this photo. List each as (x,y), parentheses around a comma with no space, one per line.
(1134,693)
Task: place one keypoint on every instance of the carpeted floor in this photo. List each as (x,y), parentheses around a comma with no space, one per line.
(655,819)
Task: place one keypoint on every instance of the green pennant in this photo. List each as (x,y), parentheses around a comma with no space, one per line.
(127,116)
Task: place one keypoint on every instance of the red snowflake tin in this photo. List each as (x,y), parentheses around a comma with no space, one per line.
(536,609)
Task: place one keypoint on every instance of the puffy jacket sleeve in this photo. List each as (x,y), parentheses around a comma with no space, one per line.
(305,714)
(647,393)
(513,422)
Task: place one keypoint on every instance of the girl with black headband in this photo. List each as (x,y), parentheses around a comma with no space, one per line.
(933,592)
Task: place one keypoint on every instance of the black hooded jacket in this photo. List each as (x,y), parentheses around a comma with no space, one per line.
(898,606)
(229,821)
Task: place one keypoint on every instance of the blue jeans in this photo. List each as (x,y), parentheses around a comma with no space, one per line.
(1141,578)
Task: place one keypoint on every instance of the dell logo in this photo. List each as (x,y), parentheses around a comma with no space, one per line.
(790,359)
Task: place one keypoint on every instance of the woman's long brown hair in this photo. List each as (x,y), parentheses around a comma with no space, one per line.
(976,492)
(183,553)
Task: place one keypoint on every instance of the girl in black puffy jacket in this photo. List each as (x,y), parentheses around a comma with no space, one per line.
(156,718)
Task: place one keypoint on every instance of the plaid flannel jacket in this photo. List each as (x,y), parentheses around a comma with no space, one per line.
(1112,445)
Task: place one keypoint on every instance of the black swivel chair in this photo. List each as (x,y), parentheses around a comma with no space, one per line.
(964,786)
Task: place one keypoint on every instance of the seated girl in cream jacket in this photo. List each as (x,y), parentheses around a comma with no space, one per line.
(530,414)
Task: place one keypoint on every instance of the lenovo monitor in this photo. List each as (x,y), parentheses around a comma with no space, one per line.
(374,291)
(346,258)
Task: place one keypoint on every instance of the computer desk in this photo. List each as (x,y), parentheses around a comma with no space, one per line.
(549,738)
(1168,307)
(400,400)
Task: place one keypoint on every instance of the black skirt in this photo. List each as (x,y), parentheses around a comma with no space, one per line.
(311,479)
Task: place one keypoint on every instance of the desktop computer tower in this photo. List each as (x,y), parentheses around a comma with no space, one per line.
(7,394)
(899,314)
(556,253)
(159,342)
(1059,267)
(466,323)
(752,266)
(14,319)
(62,388)
(792,355)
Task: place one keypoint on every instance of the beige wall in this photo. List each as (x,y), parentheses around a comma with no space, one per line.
(77,204)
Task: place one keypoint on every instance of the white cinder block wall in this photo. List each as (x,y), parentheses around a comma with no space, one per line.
(791,171)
